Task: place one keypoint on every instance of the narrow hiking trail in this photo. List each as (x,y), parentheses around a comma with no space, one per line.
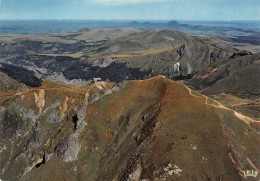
(216,104)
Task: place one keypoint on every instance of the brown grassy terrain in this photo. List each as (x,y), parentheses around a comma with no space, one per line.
(141,53)
(153,129)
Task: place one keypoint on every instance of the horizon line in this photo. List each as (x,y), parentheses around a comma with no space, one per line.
(42,19)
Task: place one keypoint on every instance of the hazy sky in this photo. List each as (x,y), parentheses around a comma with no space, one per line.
(131,9)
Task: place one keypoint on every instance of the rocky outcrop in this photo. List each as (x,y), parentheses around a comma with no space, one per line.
(6,82)
(154,129)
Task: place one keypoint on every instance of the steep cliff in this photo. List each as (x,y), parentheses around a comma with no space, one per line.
(154,129)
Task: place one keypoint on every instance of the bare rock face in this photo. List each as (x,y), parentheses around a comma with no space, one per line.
(69,148)
(154,129)
(6,82)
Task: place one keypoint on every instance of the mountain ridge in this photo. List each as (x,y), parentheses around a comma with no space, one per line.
(110,128)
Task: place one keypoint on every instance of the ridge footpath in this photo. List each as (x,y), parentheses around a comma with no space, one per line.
(153,129)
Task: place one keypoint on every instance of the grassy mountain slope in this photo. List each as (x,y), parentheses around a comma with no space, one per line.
(154,129)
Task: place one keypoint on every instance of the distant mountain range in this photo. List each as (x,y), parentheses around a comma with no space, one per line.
(57,26)
(167,105)
(196,29)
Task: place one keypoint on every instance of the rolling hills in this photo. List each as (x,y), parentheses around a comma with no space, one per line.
(87,54)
